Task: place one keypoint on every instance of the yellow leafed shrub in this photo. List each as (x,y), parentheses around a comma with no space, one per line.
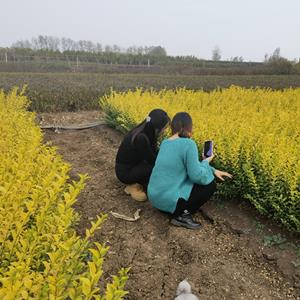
(41,256)
(256,134)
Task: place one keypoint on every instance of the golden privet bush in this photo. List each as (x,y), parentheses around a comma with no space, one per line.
(41,256)
(256,134)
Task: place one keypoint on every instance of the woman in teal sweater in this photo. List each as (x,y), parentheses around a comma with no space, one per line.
(180,184)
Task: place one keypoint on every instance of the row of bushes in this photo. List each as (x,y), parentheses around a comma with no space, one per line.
(256,136)
(41,256)
(70,91)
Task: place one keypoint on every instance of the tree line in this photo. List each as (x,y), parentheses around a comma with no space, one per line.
(55,44)
(62,52)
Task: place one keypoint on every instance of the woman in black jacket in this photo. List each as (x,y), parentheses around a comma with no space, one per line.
(137,154)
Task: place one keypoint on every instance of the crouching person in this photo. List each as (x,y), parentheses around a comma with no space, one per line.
(180,184)
(137,154)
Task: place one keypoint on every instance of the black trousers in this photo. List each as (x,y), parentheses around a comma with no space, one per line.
(200,194)
(134,174)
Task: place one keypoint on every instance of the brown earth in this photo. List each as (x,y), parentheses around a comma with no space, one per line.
(228,259)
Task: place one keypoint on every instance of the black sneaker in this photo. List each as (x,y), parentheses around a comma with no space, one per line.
(186,220)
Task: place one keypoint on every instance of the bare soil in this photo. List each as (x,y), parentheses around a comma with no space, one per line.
(236,255)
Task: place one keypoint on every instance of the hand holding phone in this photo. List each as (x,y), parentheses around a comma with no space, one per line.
(208,149)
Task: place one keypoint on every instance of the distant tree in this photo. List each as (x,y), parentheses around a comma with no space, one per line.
(278,64)
(68,44)
(26,44)
(234,59)
(90,47)
(276,53)
(64,43)
(36,43)
(85,46)
(237,59)
(53,43)
(99,48)
(44,42)
(216,54)
(108,49)
(157,51)
(146,50)
(116,49)
(140,50)
(131,50)
(266,57)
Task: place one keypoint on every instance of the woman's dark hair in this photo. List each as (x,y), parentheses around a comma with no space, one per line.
(151,126)
(182,124)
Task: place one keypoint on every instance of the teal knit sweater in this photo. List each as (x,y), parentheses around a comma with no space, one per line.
(176,169)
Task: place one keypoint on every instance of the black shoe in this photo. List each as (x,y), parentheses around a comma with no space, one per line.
(186,220)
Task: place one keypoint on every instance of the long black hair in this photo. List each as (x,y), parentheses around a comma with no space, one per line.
(151,126)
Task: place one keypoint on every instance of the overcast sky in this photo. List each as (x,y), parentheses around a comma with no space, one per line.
(188,27)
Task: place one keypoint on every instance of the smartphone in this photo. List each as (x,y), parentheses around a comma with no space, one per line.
(208,148)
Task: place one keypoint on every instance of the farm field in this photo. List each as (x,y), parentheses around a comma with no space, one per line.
(239,255)
(149,152)
(81,91)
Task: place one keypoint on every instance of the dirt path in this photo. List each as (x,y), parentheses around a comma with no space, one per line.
(224,260)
